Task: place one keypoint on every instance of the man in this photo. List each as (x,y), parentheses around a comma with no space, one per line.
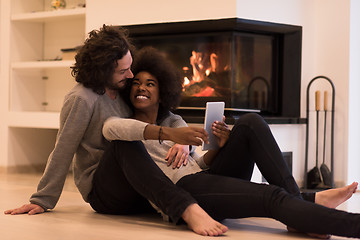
(118,177)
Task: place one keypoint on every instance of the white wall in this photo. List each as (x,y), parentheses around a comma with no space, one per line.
(4,89)
(155,11)
(326,37)
(354,96)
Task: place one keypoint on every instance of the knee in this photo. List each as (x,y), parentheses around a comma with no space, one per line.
(254,117)
(251,119)
(275,195)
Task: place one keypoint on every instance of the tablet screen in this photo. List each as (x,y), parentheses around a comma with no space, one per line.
(214,112)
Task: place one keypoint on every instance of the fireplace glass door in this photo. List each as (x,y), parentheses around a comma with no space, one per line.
(236,68)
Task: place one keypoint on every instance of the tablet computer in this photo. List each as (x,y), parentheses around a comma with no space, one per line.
(214,112)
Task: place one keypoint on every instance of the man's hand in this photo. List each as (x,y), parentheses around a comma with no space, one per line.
(30,209)
(177,155)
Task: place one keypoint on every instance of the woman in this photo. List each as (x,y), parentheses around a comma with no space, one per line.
(224,190)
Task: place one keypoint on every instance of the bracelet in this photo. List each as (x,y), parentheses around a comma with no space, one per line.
(160,133)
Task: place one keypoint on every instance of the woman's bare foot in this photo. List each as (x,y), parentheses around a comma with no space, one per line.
(201,223)
(334,197)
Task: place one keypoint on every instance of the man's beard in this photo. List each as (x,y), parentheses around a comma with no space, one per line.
(113,86)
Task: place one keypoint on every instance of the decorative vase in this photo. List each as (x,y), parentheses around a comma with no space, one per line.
(58,4)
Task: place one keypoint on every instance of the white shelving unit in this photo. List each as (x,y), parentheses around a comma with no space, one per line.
(46,120)
(37,79)
(41,64)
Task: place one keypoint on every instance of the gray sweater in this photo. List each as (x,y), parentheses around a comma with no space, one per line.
(123,129)
(80,139)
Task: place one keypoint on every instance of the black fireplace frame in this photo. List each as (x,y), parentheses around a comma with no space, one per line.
(288,44)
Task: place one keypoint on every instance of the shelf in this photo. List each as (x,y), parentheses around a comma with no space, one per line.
(54,15)
(46,120)
(42,64)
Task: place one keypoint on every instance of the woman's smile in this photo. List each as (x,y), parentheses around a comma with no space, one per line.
(144,93)
(142,97)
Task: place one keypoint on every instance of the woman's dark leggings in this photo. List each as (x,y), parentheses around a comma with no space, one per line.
(226,192)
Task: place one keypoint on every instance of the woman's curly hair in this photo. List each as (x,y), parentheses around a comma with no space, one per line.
(151,60)
(97,59)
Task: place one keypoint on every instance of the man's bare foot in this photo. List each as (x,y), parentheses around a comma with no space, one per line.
(334,197)
(331,198)
(201,223)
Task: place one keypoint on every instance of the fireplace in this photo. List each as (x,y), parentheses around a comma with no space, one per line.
(250,65)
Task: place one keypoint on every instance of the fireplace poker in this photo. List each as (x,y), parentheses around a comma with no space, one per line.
(325,172)
(314,178)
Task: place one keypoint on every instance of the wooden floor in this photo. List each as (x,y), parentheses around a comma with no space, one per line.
(74,219)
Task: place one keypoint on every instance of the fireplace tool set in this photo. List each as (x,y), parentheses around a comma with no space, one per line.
(320,177)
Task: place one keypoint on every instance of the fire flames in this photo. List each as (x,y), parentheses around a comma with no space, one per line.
(200,80)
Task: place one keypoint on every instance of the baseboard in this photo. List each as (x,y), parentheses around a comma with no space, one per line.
(33,168)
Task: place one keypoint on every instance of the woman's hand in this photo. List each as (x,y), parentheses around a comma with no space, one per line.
(30,209)
(186,135)
(221,131)
(178,155)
